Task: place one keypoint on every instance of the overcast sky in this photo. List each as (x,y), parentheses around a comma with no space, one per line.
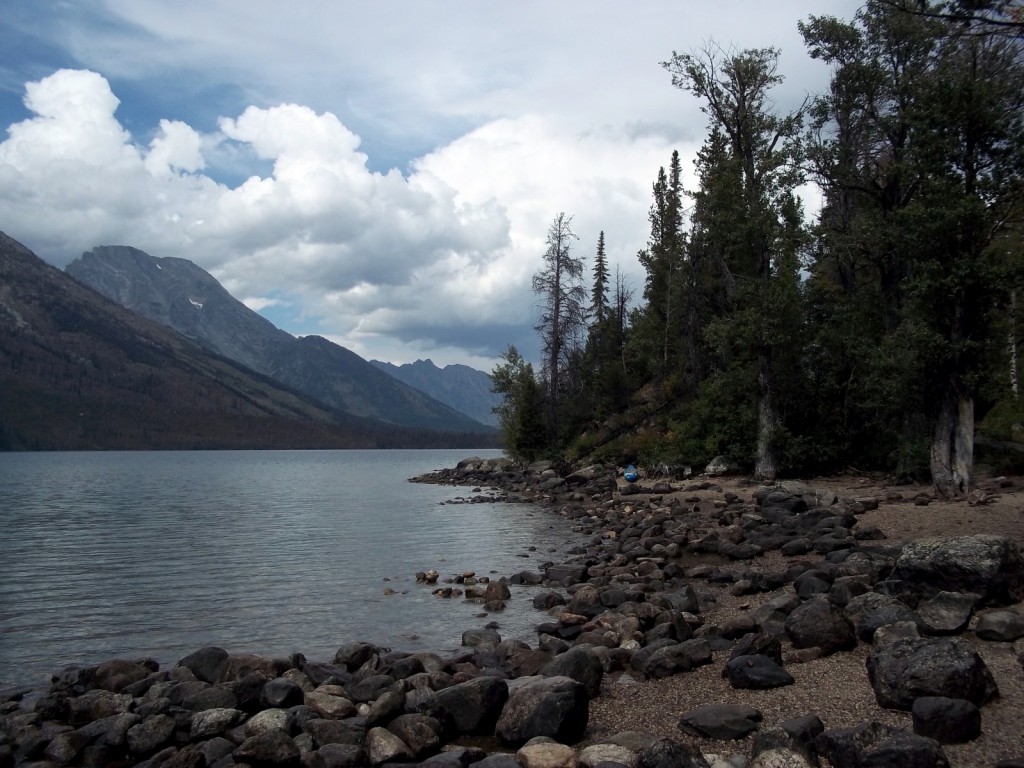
(380,173)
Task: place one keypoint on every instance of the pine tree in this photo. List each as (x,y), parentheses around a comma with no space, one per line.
(562,324)
(763,154)
(599,293)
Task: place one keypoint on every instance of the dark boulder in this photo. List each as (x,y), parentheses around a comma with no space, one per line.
(669,753)
(421,733)
(580,664)
(905,750)
(988,565)
(720,721)
(676,658)
(207,664)
(557,707)
(355,655)
(948,721)
(884,616)
(151,734)
(325,732)
(844,747)
(819,624)
(756,672)
(946,613)
(1000,625)
(335,756)
(907,669)
(281,693)
(475,705)
(117,674)
(269,748)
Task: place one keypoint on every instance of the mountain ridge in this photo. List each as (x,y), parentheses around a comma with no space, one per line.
(181,295)
(461,386)
(80,372)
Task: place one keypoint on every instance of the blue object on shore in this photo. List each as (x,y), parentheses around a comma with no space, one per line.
(631,474)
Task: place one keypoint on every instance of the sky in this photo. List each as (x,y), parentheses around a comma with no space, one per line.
(383,173)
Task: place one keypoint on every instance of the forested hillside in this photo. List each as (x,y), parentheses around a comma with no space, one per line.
(878,332)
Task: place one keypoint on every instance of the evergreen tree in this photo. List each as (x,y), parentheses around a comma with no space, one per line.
(520,415)
(599,293)
(562,321)
(660,322)
(762,154)
(919,151)
(606,388)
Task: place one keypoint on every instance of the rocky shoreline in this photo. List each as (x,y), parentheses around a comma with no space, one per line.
(670,579)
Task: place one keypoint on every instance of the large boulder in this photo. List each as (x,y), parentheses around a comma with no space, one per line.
(421,733)
(117,674)
(987,565)
(948,721)
(720,721)
(907,669)
(475,705)
(207,664)
(675,658)
(556,707)
(580,664)
(1000,625)
(756,672)
(819,624)
(272,747)
(946,613)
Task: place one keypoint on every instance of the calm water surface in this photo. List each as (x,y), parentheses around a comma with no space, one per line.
(108,555)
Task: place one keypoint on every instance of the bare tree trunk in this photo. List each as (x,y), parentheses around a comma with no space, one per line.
(952,452)
(766,465)
(1011,343)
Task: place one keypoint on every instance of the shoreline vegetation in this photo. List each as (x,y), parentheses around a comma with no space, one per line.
(707,621)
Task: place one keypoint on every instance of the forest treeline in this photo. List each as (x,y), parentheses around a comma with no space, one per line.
(874,336)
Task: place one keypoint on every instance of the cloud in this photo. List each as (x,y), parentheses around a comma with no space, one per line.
(382,174)
(422,258)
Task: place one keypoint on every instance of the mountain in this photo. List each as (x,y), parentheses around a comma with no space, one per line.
(463,388)
(178,294)
(78,371)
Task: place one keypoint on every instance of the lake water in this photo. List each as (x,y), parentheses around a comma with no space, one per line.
(156,554)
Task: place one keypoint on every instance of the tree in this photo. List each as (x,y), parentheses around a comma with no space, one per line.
(764,152)
(599,293)
(563,314)
(520,413)
(605,382)
(921,162)
(659,324)
(976,17)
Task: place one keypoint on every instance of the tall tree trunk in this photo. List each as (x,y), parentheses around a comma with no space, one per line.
(766,465)
(1011,344)
(952,452)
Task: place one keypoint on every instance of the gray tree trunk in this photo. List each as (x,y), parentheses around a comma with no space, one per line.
(766,464)
(1011,344)
(952,452)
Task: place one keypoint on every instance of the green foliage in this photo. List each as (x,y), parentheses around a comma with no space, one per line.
(722,421)
(797,349)
(520,415)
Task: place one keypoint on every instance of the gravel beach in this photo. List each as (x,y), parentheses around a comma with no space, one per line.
(836,687)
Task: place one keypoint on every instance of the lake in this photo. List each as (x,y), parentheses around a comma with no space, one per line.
(156,554)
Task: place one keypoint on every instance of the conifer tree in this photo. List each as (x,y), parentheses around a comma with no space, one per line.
(562,323)
(762,153)
(921,163)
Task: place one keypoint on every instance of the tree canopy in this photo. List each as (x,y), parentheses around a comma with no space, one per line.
(879,333)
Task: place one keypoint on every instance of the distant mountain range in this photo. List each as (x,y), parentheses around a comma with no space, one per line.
(80,372)
(463,388)
(178,294)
